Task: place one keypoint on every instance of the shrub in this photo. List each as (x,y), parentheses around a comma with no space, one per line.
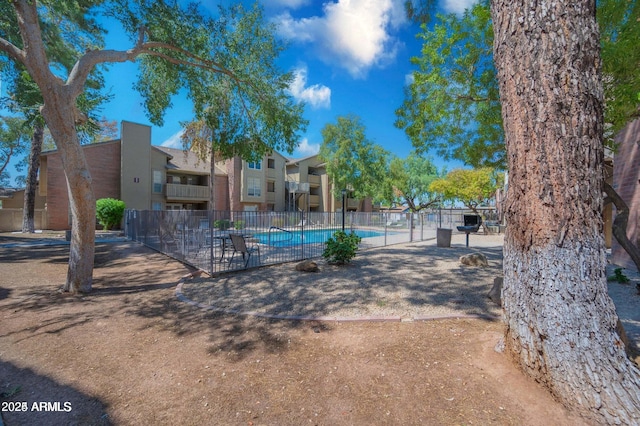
(238,224)
(222,224)
(618,276)
(341,247)
(109,212)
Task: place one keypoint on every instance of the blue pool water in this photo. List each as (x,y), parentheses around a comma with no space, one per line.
(284,238)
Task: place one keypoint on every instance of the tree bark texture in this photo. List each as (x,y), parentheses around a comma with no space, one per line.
(82,202)
(560,321)
(60,115)
(28,210)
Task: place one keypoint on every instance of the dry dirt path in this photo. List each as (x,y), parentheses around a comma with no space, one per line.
(132,353)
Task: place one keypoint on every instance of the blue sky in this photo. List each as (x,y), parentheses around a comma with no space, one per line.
(349,57)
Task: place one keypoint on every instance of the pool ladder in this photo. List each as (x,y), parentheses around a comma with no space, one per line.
(279,229)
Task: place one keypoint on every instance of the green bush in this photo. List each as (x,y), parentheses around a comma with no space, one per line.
(618,276)
(222,224)
(238,224)
(341,247)
(109,212)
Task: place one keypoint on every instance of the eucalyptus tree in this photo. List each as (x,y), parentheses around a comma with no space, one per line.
(353,161)
(25,100)
(409,182)
(176,45)
(14,138)
(560,321)
(471,187)
(228,127)
(452,105)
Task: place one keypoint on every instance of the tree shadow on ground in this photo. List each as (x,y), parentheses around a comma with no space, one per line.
(129,279)
(69,405)
(378,280)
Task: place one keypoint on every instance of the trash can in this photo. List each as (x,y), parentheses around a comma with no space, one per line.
(443,237)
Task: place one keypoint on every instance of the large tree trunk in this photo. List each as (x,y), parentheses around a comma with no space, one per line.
(560,321)
(58,114)
(28,211)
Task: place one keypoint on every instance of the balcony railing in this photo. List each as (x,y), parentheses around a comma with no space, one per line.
(314,200)
(187,192)
(314,180)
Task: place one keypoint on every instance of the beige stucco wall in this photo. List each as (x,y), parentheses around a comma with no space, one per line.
(158,161)
(136,179)
(278,180)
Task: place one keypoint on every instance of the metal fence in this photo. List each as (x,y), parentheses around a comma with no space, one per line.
(203,239)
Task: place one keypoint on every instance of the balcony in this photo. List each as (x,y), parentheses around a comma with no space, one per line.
(314,180)
(297,186)
(314,200)
(178,192)
(353,203)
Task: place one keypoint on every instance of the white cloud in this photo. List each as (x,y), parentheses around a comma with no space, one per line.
(292,4)
(306,149)
(457,6)
(173,141)
(318,96)
(354,34)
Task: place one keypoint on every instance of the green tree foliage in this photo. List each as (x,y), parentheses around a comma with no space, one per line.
(177,46)
(14,140)
(109,212)
(409,181)
(353,161)
(452,105)
(619,22)
(471,187)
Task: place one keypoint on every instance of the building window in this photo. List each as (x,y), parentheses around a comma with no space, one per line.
(254,187)
(271,163)
(271,187)
(157,182)
(156,205)
(255,165)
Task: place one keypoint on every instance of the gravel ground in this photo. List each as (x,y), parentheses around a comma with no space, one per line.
(407,281)
(402,282)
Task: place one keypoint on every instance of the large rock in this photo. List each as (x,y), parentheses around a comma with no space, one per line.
(307,266)
(495,294)
(474,259)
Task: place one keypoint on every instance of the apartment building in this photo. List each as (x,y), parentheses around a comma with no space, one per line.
(148,177)
(309,188)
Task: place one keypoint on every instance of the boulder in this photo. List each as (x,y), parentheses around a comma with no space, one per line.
(307,266)
(495,294)
(474,259)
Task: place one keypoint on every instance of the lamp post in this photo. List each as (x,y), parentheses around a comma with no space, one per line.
(344,195)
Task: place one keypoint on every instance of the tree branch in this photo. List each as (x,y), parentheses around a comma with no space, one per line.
(13,51)
(619,227)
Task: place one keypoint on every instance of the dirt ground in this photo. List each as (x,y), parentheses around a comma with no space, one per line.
(131,353)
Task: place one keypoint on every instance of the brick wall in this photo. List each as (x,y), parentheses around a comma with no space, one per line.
(103,160)
(626,176)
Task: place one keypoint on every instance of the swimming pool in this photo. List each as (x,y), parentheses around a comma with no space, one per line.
(282,238)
